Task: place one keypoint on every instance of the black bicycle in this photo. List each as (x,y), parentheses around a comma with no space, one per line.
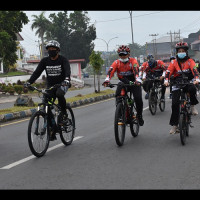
(155,96)
(43,122)
(185,110)
(125,114)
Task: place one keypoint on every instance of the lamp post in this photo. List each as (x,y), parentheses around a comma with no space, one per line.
(107,45)
(130,12)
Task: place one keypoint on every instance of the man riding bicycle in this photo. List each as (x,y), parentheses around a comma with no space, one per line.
(151,69)
(183,65)
(58,72)
(127,69)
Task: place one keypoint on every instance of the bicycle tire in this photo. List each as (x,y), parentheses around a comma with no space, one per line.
(119,124)
(134,125)
(182,128)
(42,137)
(66,138)
(161,103)
(152,102)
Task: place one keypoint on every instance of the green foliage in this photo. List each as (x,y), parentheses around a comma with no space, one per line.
(11,22)
(96,61)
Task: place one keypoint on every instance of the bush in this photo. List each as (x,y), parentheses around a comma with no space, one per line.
(18,89)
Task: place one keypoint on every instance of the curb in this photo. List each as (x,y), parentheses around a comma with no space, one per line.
(29,112)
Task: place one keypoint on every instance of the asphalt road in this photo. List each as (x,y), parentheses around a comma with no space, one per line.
(153,160)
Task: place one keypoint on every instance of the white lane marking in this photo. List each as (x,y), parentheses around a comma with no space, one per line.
(31,157)
(146,108)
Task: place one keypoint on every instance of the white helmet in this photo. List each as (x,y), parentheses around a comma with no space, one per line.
(53,43)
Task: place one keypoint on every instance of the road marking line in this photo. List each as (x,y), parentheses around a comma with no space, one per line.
(32,156)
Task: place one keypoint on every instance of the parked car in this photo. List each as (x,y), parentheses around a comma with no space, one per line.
(85,75)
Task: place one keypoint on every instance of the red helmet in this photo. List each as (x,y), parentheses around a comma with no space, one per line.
(123,49)
(183,45)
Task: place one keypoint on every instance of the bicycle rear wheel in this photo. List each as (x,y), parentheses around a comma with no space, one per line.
(119,124)
(38,134)
(68,129)
(152,102)
(183,128)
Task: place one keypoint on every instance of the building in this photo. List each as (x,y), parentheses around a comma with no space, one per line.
(162,48)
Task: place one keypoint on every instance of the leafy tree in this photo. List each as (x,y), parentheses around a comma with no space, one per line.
(11,22)
(96,62)
(74,34)
(41,23)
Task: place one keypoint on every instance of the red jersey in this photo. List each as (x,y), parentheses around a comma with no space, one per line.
(130,69)
(187,67)
(159,66)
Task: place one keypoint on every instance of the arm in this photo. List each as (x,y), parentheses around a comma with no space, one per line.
(169,72)
(194,71)
(36,74)
(111,71)
(67,69)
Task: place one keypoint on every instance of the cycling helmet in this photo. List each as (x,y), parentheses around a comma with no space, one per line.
(152,62)
(53,43)
(123,49)
(182,45)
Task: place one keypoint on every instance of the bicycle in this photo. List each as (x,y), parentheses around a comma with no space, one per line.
(125,114)
(41,126)
(155,96)
(184,110)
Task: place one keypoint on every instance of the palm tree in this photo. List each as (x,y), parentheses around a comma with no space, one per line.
(41,23)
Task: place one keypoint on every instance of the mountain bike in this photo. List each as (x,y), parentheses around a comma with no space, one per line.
(125,114)
(185,111)
(155,96)
(44,121)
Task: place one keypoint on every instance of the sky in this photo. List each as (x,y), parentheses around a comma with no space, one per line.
(114,27)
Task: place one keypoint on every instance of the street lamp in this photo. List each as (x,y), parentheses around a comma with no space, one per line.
(107,45)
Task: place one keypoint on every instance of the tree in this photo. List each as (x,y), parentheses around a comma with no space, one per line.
(96,62)
(11,22)
(74,34)
(41,23)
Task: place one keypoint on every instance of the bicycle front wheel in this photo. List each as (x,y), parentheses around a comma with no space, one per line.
(38,134)
(68,129)
(152,102)
(134,125)
(119,124)
(183,128)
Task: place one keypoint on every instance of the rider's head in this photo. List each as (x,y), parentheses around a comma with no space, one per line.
(182,51)
(53,48)
(151,61)
(124,53)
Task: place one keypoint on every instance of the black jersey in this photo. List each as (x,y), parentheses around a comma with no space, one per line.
(56,70)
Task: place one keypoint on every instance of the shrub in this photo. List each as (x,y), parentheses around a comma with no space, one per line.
(18,89)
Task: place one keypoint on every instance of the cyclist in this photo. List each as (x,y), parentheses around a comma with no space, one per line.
(127,69)
(183,64)
(171,78)
(155,68)
(58,72)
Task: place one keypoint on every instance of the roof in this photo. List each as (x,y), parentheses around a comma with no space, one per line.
(76,60)
(165,39)
(196,42)
(19,37)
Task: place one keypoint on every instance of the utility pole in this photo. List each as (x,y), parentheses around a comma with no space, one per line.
(130,12)
(154,45)
(176,38)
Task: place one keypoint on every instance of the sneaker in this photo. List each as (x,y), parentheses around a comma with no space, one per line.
(63,119)
(140,119)
(53,134)
(147,96)
(194,110)
(173,130)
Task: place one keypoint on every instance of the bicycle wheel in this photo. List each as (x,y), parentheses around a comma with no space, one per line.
(161,103)
(134,125)
(183,128)
(119,124)
(38,134)
(68,129)
(152,102)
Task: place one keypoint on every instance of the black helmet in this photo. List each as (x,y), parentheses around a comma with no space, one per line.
(53,43)
(149,57)
(172,58)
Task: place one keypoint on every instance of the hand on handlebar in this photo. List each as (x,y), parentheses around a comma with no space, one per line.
(106,83)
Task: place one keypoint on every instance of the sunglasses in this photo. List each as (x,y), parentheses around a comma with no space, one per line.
(122,54)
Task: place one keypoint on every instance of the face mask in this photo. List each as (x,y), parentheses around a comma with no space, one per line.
(52,53)
(181,55)
(124,60)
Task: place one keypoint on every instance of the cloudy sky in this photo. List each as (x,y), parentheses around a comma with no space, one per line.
(112,24)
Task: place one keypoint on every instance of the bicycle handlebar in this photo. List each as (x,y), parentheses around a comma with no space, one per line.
(126,85)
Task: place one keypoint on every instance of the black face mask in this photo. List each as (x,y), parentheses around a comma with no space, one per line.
(52,53)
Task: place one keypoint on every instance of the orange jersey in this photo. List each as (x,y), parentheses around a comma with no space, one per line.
(130,69)
(187,67)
